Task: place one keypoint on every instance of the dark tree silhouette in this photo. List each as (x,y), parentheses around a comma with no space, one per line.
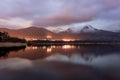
(4,37)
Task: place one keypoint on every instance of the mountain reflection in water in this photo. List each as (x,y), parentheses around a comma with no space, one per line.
(100,61)
(42,52)
(4,52)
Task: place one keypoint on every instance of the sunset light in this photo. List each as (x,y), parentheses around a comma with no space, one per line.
(49,37)
(60,39)
(20,22)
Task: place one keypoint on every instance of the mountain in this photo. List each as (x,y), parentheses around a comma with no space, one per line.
(85,33)
(88,28)
(90,33)
(31,32)
(84,29)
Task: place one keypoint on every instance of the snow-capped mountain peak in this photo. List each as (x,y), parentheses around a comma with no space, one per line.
(88,28)
(84,29)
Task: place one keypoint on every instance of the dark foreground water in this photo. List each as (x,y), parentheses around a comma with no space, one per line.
(60,63)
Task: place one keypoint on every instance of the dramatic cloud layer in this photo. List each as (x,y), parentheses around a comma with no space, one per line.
(57,12)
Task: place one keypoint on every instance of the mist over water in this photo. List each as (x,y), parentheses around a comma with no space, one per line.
(60,63)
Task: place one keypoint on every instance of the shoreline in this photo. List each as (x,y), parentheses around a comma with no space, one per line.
(48,42)
(12,44)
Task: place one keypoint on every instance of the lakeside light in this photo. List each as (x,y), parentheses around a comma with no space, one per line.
(68,39)
(49,37)
(31,39)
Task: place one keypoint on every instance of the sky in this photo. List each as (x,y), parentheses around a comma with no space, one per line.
(57,13)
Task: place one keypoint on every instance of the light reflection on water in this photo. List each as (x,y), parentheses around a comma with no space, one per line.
(103,58)
(68,47)
(102,61)
(41,52)
(88,55)
(49,50)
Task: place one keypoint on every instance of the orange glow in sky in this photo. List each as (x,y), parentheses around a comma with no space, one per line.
(49,37)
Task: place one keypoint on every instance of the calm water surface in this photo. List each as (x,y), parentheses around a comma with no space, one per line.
(86,53)
(104,59)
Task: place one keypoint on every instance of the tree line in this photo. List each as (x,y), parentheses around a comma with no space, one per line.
(4,37)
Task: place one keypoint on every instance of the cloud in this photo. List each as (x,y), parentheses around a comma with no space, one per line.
(15,64)
(109,25)
(15,22)
(60,12)
(61,19)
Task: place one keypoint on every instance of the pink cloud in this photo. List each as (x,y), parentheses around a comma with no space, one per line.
(64,18)
(60,12)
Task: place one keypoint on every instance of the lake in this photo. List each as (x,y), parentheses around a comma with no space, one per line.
(41,52)
(104,59)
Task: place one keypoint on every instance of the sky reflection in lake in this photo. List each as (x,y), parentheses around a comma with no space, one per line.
(103,58)
(97,56)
